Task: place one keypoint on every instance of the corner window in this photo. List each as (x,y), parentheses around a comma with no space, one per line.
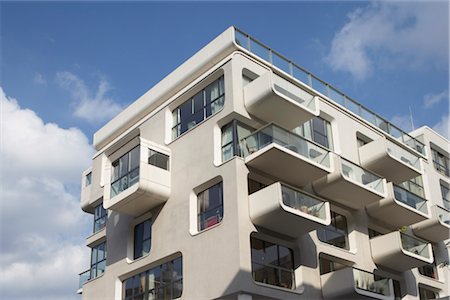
(272,264)
(100,217)
(445,191)
(158,159)
(201,106)
(336,233)
(142,238)
(88,179)
(440,161)
(210,207)
(98,260)
(125,171)
(426,294)
(161,282)
(232,133)
(317,130)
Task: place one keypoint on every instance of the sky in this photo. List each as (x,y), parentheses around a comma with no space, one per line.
(69,67)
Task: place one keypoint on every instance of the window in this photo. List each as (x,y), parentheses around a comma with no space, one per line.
(414,186)
(445,191)
(202,105)
(327,266)
(142,238)
(88,179)
(162,282)
(317,130)
(98,260)
(440,162)
(100,217)
(336,233)
(158,159)
(425,294)
(272,264)
(210,207)
(397,289)
(232,133)
(254,186)
(125,171)
(429,270)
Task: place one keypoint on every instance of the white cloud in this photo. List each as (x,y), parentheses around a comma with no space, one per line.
(443,126)
(39,79)
(93,108)
(42,226)
(385,34)
(431,99)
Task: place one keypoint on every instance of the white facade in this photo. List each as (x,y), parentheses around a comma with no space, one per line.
(214,189)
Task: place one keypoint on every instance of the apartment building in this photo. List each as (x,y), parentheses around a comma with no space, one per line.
(243,176)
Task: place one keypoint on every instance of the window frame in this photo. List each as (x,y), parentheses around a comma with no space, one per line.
(440,166)
(203,213)
(128,172)
(309,131)
(158,155)
(333,229)
(103,215)
(143,240)
(88,179)
(95,262)
(234,142)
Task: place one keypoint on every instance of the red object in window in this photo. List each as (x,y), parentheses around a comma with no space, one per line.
(211,221)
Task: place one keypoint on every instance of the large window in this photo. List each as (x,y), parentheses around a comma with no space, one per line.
(232,133)
(98,260)
(440,162)
(142,238)
(445,191)
(204,104)
(210,206)
(125,171)
(100,217)
(162,282)
(336,233)
(317,130)
(272,264)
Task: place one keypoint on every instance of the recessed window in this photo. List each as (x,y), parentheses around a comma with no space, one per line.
(327,265)
(440,161)
(272,264)
(100,217)
(445,191)
(98,260)
(142,238)
(425,294)
(158,159)
(125,171)
(232,134)
(336,233)
(202,105)
(88,179)
(162,282)
(317,130)
(210,206)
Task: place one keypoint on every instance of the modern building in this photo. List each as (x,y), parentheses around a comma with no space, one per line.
(242,176)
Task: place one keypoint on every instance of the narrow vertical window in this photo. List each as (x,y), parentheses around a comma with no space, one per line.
(98,260)
(445,191)
(210,207)
(142,238)
(441,162)
(232,134)
(336,233)
(100,217)
(317,130)
(88,179)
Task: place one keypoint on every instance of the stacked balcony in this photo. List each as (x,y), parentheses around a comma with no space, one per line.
(400,252)
(351,185)
(288,211)
(392,161)
(352,283)
(436,228)
(274,99)
(286,155)
(399,208)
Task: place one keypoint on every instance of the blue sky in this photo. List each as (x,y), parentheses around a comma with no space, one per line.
(71,66)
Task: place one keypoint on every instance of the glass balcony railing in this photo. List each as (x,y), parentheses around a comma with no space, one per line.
(84,277)
(410,199)
(124,182)
(303,202)
(415,245)
(355,173)
(287,139)
(370,282)
(403,155)
(291,91)
(289,67)
(443,215)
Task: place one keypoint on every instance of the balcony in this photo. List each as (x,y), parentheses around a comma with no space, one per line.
(288,211)
(85,197)
(400,252)
(351,185)
(435,229)
(274,99)
(84,277)
(391,161)
(399,208)
(351,283)
(286,155)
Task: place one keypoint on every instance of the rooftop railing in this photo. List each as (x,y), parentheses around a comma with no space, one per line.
(289,67)
(410,199)
(274,134)
(415,245)
(355,173)
(370,282)
(303,202)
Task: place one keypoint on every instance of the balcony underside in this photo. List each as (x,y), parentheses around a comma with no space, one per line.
(432,230)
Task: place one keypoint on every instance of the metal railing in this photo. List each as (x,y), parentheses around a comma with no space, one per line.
(303,202)
(355,173)
(249,43)
(410,199)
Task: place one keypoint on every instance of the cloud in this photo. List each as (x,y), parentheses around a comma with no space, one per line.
(42,227)
(385,34)
(39,79)
(431,99)
(443,126)
(93,108)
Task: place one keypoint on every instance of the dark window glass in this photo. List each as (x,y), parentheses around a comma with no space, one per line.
(327,266)
(88,179)
(336,233)
(272,264)
(254,186)
(397,289)
(100,217)
(158,159)
(440,162)
(317,130)
(125,171)
(142,238)
(210,207)
(445,196)
(429,270)
(425,294)
(232,134)
(98,260)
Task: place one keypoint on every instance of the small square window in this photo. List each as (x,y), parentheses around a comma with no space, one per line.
(88,179)
(158,159)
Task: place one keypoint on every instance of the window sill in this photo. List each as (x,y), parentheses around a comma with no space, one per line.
(131,261)
(95,278)
(430,278)
(207,229)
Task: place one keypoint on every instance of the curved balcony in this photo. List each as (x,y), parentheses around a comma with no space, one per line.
(400,252)
(274,99)
(286,155)
(395,163)
(399,208)
(283,209)
(352,283)
(435,229)
(351,185)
